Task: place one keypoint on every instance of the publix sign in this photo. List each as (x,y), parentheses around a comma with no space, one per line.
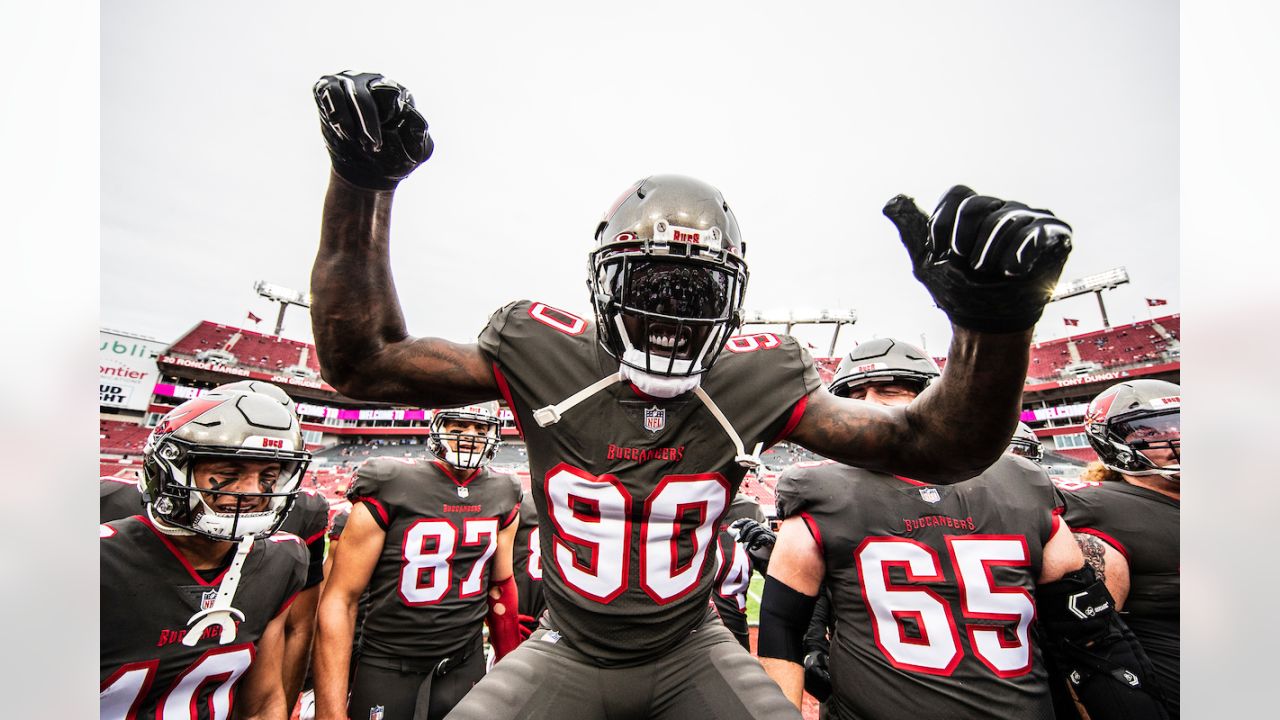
(126,369)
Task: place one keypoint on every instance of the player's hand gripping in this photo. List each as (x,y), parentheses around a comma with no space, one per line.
(817,675)
(374,134)
(990,264)
(756,538)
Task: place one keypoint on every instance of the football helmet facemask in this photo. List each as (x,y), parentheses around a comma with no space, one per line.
(884,360)
(1025,444)
(465,450)
(1132,421)
(667,277)
(239,425)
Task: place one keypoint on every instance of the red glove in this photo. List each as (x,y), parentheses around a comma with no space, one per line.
(527,625)
(503,617)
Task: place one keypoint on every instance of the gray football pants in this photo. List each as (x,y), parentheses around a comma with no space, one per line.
(707,677)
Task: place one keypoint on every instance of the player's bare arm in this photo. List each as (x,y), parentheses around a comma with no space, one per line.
(954,430)
(796,563)
(1108,564)
(503,565)
(375,139)
(991,265)
(260,695)
(1061,556)
(361,545)
(300,625)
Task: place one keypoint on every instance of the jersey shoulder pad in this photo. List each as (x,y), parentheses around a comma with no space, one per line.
(286,545)
(375,475)
(816,486)
(765,358)
(507,483)
(525,324)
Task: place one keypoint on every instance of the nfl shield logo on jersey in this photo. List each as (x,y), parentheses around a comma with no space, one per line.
(207,598)
(463,492)
(655,418)
(375,712)
(930,495)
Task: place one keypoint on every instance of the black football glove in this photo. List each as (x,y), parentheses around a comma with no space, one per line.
(990,264)
(756,538)
(817,677)
(374,134)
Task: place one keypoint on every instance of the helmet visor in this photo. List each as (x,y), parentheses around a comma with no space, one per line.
(1157,437)
(674,289)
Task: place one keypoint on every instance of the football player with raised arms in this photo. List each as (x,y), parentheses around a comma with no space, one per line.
(432,542)
(642,422)
(1127,524)
(195,590)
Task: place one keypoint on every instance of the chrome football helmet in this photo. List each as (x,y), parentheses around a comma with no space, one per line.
(1025,444)
(466,450)
(667,276)
(261,387)
(236,425)
(884,360)
(1130,422)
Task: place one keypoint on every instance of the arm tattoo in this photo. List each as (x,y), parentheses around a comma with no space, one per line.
(1093,554)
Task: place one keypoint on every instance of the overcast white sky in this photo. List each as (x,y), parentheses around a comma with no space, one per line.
(808,118)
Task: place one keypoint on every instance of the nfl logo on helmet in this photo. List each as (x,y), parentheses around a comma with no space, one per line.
(655,418)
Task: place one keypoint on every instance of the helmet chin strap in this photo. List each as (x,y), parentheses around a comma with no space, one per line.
(551,414)
(221,613)
(165,528)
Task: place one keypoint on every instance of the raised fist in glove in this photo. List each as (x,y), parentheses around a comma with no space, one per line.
(990,264)
(756,538)
(374,134)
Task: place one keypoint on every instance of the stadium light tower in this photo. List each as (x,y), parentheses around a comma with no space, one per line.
(1096,283)
(824,317)
(283,295)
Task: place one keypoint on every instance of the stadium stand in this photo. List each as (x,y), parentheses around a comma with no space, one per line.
(1141,342)
(1062,363)
(121,438)
(271,353)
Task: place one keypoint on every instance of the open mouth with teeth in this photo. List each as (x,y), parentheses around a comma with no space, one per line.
(666,340)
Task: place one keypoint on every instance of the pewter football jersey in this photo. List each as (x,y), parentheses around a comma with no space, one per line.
(427,592)
(932,587)
(149,591)
(630,488)
(309,519)
(528,564)
(119,498)
(1143,526)
(733,568)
